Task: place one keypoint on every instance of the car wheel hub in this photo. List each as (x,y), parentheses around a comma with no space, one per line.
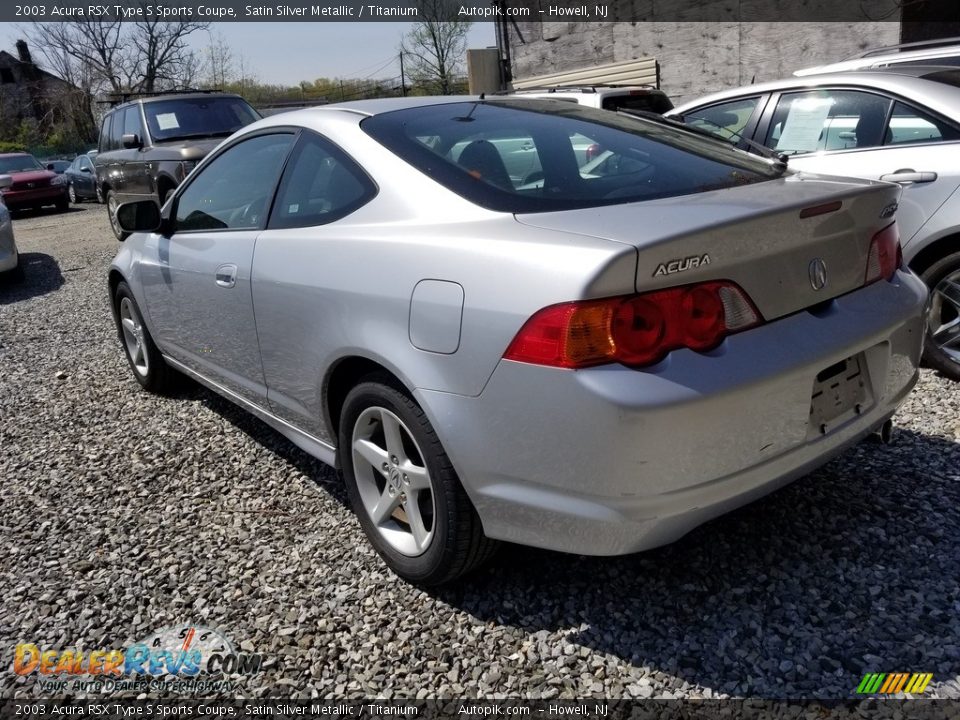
(133,337)
(394,484)
(943,318)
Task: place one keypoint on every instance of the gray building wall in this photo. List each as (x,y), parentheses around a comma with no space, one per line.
(696,57)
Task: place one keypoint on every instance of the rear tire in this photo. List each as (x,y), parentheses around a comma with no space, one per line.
(112,206)
(421,521)
(942,347)
(143,356)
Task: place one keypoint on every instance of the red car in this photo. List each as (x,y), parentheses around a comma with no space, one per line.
(33,185)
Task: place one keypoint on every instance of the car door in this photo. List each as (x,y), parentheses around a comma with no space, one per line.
(861,133)
(83,177)
(301,260)
(196,279)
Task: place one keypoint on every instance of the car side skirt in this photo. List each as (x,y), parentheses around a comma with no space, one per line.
(311,445)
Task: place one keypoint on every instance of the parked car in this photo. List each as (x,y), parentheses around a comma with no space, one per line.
(594,363)
(82,179)
(147,146)
(33,185)
(899,125)
(604,97)
(945,51)
(57,166)
(10,268)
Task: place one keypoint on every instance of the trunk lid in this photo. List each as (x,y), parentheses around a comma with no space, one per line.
(753,235)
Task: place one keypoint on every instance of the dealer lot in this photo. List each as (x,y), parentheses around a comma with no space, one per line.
(124,513)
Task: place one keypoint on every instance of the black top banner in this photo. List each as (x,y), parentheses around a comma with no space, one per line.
(484,11)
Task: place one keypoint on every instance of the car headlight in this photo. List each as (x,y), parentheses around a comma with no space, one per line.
(58,180)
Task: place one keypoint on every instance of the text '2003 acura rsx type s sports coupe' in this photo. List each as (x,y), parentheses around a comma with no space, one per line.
(498,335)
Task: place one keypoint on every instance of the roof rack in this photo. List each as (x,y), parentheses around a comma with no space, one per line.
(118,98)
(942,42)
(592,87)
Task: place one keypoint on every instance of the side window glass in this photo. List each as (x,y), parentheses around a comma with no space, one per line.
(131,122)
(726,120)
(233,191)
(908,125)
(321,184)
(116,129)
(105,133)
(827,120)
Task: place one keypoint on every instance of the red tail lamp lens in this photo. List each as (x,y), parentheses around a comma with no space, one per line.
(635,330)
(885,256)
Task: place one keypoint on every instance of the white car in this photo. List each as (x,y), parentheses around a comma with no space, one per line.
(896,125)
(945,51)
(9,258)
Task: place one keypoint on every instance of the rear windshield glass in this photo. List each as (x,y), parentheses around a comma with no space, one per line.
(182,118)
(522,156)
(648,102)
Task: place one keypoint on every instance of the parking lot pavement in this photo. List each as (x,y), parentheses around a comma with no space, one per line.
(124,513)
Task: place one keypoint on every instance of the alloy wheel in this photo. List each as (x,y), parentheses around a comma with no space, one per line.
(393,481)
(943,317)
(133,337)
(72,194)
(112,207)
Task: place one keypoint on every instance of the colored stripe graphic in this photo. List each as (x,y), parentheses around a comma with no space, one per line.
(892,683)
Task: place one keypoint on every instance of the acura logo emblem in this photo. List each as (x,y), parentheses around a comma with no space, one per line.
(817,269)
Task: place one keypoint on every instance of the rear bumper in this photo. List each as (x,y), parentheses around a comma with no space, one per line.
(610,460)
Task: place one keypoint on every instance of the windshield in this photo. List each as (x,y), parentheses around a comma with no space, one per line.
(181,118)
(19,163)
(522,156)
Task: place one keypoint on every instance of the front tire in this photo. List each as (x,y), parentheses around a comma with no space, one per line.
(148,365)
(942,347)
(404,489)
(112,207)
(72,194)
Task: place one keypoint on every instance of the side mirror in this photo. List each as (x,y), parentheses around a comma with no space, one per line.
(85,169)
(51,166)
(131,141)
(5,181)
(143,216)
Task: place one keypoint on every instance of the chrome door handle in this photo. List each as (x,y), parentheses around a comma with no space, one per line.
(227,275)
(908,176)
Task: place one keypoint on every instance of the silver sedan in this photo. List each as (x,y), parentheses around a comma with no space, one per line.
(498,337)
(899,124)
(9,258)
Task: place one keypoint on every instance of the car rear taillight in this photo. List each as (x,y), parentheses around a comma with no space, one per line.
(635,330)
(886,255)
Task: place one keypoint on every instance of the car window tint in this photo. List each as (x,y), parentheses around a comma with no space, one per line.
(647,102)
(908,125)
(827,120)
(85,163)
(726,120)
(233,191)
(489,151)
(131,122)
(321,184)
(105,133)
(116,129)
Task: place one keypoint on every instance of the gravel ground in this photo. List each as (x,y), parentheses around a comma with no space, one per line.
(124,513)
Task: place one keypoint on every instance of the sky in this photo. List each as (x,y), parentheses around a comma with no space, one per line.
(286,53)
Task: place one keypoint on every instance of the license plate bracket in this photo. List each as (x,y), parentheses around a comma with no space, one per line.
(840,392)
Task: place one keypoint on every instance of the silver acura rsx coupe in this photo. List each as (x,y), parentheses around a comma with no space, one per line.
(524,320)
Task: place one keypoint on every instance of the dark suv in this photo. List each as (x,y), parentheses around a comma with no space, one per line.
(149,145)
